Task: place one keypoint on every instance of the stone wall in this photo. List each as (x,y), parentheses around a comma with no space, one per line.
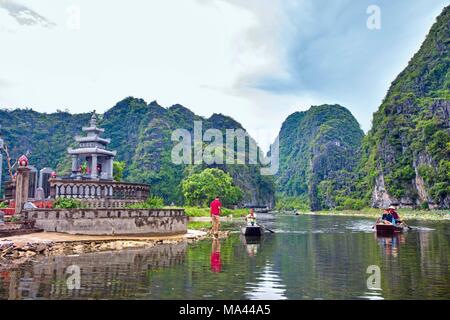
(110,221)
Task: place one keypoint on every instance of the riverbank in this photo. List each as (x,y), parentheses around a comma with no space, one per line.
(405,214)
(19,249)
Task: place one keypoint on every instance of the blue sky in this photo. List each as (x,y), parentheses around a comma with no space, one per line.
(255,60)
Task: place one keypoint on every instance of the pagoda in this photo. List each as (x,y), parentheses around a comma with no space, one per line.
(92,160)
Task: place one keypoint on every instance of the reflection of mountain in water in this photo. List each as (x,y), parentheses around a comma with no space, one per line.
(105,275)
(267,286)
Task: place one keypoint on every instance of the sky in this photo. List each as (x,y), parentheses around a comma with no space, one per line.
(257,61)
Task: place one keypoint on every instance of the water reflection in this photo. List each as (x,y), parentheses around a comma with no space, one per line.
(391,244)
(268,285)
(373,294)
(107,275)
(216,261)
(252,244)
(318,257)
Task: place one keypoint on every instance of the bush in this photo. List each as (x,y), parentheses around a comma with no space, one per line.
(199,189)
(291,203)
(345,203)
(439,191)
(67,203)
(151,203)
(3,205)
(425,206)
(119,168)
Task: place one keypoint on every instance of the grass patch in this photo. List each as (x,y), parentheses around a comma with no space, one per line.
(195,225)
(406,214)
(204,212)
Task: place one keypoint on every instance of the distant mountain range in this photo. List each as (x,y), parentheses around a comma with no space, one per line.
(325,159)
(406,154)
(141,134)
(319,151)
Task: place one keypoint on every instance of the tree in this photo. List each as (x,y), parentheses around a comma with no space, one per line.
(118,168)
(199,189)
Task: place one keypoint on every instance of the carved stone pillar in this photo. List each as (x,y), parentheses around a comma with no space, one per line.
(74,164)
(111,168)
(22,180)
(94,174)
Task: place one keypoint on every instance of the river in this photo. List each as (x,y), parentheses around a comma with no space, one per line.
(308,257)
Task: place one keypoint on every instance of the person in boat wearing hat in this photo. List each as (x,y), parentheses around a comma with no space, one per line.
(394,214)
(387,217)
(251,217)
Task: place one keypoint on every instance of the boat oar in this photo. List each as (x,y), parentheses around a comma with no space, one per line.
(404,223)
(267,229)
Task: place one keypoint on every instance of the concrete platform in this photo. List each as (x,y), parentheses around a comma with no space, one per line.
(46,237)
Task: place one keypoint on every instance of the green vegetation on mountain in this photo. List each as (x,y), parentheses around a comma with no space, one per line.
(318,156)
(406,154)
(141,133)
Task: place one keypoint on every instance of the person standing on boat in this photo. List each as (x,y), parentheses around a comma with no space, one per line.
(215,209)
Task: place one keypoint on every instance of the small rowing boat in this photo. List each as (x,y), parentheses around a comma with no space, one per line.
(382,228)
(252,231)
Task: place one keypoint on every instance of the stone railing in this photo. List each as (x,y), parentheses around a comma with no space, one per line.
(99,194)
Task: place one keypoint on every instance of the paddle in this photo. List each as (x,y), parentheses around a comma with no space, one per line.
(267,229)
(378,220)
(404,223)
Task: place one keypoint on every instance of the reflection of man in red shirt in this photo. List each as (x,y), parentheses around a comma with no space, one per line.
(216,262)
(215,208)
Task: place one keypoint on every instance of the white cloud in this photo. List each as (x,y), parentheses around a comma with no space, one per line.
(211,56)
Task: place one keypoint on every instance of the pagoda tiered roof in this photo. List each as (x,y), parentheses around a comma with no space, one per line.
(92,143)
(95,138)
(98,151)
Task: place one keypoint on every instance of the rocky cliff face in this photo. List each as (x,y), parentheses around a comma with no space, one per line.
(141,134)
(318,155)
(406,153)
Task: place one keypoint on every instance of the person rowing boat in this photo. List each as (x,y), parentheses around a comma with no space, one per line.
(251,218)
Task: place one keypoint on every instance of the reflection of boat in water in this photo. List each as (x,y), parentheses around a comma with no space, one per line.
(252,244)
(250,240)
(391,243)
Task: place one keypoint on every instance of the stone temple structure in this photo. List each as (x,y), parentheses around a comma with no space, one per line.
(104,203)
(91,159)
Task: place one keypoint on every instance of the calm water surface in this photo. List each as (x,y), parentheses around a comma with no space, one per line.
(309,257)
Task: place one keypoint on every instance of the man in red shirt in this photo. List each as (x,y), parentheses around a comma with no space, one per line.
(215,209)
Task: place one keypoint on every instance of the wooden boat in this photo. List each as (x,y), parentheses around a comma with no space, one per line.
(252,231)
(382,228)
